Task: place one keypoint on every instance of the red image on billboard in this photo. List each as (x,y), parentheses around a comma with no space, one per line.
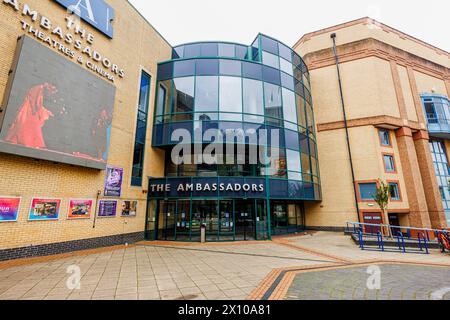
(55,110)
(26,129)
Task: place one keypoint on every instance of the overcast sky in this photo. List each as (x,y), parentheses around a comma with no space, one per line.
(181,21)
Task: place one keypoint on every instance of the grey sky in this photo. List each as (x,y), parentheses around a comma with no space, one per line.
(181,21)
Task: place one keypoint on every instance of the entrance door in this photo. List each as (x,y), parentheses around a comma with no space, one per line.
(372,218)
(205,212)
(167,217)
(394,221)
(245,219)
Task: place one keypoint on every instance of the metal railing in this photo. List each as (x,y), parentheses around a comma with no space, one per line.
(420,237)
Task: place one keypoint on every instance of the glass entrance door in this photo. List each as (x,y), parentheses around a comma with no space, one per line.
(166,221)
(245,219)
(205,212)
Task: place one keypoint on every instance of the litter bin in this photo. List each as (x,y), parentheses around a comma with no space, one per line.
(203,233)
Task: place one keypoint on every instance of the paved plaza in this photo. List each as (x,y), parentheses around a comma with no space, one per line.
(317,266)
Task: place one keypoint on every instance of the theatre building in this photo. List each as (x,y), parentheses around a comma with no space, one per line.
(111,135)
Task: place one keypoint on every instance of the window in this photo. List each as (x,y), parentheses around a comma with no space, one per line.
(226,50)
(389,164)
(286,66)
(394,191)
(272,97)
(271,60)
(367,191)
(184,94)
(207,94)
(440,160)
(230,94)
(161,100)
(230,68)
(253,99)
(289,109)
(141,131)
(384,138)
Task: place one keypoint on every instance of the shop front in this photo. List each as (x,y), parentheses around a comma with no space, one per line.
(233,215)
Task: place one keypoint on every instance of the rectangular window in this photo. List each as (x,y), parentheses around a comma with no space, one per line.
(389,164)
(384,138)
(367,191)
(394,191)
(141,131)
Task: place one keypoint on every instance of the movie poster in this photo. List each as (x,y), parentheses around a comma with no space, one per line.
(129,208)
(107,208)
(113,182)
(80,209)
(44,209)
(9,209)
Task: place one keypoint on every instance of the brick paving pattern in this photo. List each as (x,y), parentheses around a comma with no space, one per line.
(300,267)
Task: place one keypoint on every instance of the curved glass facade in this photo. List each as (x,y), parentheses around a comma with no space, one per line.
(262,89)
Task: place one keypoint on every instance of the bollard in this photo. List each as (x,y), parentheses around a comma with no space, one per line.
(203,233)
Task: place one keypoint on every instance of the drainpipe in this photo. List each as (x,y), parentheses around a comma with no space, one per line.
(333,36)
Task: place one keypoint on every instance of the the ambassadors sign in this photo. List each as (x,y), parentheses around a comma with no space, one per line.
(207,187)
(95,12)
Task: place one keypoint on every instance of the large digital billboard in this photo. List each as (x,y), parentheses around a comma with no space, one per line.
(55,110)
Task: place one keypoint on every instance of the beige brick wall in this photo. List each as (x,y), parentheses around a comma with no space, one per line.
(369,92)
(136,45)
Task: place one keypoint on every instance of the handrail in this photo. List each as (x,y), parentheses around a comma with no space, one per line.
(380,241)
(400,236)
(421,235)
(361,240)
(394,227)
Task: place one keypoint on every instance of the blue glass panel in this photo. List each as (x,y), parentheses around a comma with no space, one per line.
(241,52)
(158,134)
(207,67)
(178,126)
(275,137)
(230,68)
(226,50)
(183,68)
(230,126)
(299,88)
(285,52)
(269,45)
(192,50)
(165,71)
(292,141)
(287,81)
(178,52)
(304,144)
(308,191)
(252,70)
(210,50)
(271,75)
(295,190)
(279,189)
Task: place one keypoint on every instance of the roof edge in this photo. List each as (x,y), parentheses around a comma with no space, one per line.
(367,20)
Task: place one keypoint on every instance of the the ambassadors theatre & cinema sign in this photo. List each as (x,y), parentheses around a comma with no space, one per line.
(72,40)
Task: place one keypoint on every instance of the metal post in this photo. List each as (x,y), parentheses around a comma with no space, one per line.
(203,233)
(333,36)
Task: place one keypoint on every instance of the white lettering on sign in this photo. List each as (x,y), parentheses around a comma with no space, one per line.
(68,43)
(207,187)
